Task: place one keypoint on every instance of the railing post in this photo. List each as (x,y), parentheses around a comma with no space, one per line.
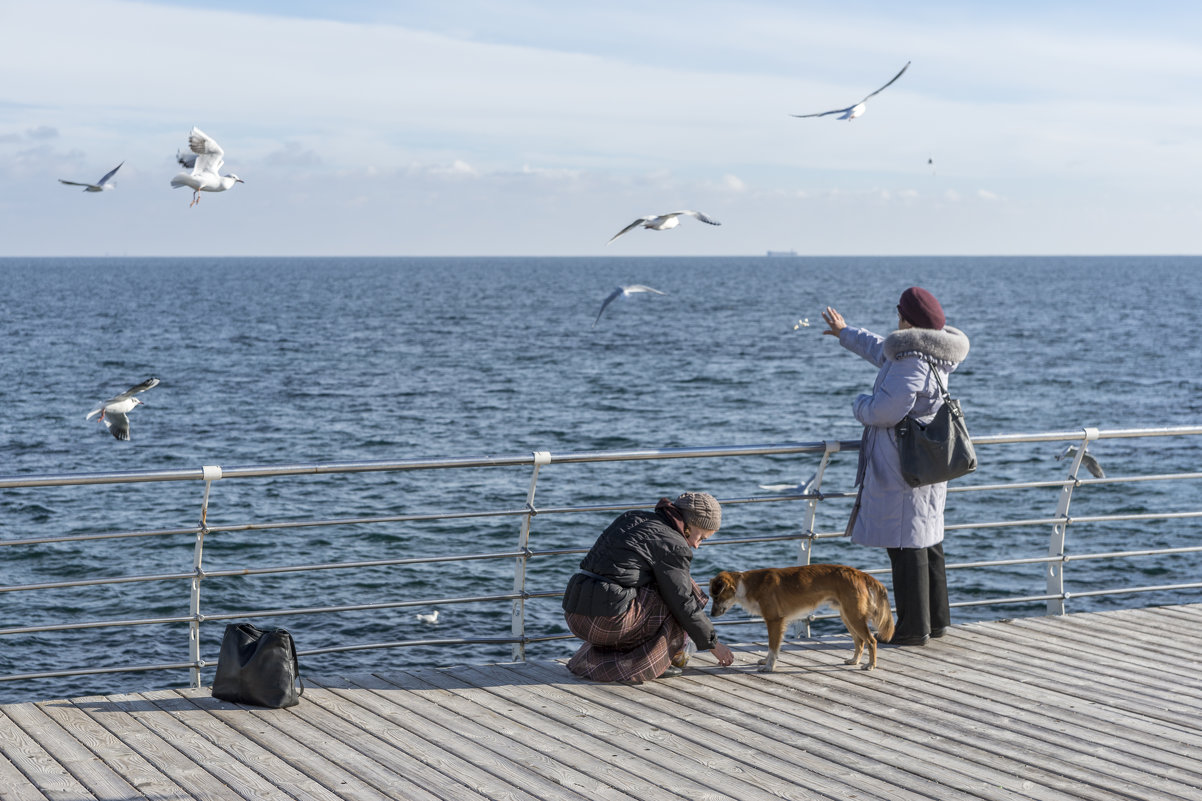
(806,547)
(211,473)
(814,487)
(517,625)
(1055,568)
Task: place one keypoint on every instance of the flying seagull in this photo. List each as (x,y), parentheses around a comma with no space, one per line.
(1091,464)
(806,488)
(624,292)
(851,112)
(662,222)
(205,162)
(114,412)
(100,185)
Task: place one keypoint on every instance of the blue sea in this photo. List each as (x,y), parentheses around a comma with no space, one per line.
(306,360)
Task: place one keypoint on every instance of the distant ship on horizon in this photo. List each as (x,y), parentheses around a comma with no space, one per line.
(782,253)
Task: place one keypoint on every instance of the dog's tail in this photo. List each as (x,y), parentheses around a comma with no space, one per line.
(881,616)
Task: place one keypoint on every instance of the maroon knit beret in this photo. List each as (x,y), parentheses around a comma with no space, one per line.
(920,309)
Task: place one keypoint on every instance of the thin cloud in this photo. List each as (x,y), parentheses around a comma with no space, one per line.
(594,114)
(42,133)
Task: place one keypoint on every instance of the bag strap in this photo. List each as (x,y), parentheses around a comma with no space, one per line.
(296,664)
(938,378)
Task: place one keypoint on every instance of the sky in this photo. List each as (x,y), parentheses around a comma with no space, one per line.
(540,128)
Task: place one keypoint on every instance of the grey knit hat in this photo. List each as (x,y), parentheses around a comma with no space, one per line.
(699,510)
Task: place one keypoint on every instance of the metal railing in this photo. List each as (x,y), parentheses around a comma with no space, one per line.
(1058,522)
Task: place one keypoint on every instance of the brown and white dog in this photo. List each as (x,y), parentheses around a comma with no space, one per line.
(781,594)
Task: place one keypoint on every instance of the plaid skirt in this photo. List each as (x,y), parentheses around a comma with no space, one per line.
(635,646)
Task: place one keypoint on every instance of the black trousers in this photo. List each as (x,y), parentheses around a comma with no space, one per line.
(919,591)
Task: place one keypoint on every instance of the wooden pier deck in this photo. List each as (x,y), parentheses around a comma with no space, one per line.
(1088,706)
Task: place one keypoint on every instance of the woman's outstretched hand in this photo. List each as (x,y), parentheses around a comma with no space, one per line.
(723,654)
(834,321)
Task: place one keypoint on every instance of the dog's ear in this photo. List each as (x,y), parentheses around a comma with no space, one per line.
(718,582)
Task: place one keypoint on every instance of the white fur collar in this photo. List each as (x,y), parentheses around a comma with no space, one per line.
(948,345)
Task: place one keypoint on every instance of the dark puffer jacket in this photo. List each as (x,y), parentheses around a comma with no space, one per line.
(640,549)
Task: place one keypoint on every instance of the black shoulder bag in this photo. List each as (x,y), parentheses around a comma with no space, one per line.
(258,666)
(939,451)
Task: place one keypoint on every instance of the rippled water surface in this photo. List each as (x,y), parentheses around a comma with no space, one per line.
(292,361)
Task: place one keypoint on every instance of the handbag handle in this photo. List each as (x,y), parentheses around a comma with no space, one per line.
(938,378)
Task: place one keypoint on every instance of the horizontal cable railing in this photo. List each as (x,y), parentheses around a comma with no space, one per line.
(1058,520)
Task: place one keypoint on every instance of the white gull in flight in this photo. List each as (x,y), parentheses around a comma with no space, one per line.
(807,488)
(853,111)
(624,292)
(205,161)
(114,412)
(1087,459)
(662,222)
(100,185)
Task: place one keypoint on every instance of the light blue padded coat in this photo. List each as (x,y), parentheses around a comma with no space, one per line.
(889,513)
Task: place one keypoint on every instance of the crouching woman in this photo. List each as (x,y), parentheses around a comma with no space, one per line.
(634,602)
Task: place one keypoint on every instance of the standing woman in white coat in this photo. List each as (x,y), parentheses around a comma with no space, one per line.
(889,513)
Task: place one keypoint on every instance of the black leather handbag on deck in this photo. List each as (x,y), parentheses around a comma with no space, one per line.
(258,666)
(939,451)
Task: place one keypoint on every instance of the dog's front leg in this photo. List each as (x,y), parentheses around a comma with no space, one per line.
(859,654)
(776,633)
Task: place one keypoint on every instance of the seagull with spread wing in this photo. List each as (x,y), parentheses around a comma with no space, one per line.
(806,487)
(1089,461)
(100,185)
(663,222)
(114,412)
(205,161)
(624,292)
(853,111)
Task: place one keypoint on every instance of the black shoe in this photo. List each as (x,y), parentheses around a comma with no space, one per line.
(671,672)
(920,640)
(939,632)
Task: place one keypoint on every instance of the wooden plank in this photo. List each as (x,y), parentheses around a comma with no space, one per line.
(612,746)
(989,692)
(16,787)
(996,724)
(325,759)
(405,760)
(1113,635)
(269,768)
(1058,671)
(904,741)
(751,702)
(997,696)
(1169,624)
(1069,667)
(513,756)
(1055,709)
(26,769)
(732,748)
(443,740)
(980,673)
(999,672)
(97,779)
(1158,643)
(1188,615)
(114,713)
(195,749)
(125,762)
